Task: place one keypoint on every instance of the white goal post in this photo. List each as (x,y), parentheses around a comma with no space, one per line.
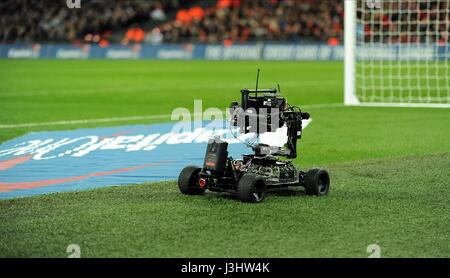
(397,53)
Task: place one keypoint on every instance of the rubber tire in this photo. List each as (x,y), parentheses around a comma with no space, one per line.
(313,178)
(246,188)
(188,181)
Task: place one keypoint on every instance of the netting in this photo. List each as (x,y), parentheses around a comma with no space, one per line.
(402,51)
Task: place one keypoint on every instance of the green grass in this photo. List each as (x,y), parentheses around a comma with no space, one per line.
(415,82)
(400,204)
(389,168)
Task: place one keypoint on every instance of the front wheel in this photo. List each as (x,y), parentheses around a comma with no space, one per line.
(188,181)
(251,189)
(317,182)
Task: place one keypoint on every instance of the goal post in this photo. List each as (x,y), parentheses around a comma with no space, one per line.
(397,53)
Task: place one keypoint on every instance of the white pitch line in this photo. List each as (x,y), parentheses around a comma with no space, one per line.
(211,87)
(325,105)
(131,118)
(102,120)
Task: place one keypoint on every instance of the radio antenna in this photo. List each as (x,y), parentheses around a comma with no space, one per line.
(257,81)
(279,88)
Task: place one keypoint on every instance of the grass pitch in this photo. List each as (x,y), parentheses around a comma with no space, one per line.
(389,168)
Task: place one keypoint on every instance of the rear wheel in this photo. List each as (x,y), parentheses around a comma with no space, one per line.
(317,182)
(251,189)
(188,181)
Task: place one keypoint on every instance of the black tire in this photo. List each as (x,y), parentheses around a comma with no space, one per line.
(317,182)
(251,189)
(188,181)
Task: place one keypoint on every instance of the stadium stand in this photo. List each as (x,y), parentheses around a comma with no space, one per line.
(52,21)
(242,21)
(174,21)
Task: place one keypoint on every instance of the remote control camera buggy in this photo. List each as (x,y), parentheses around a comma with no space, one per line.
(249,178)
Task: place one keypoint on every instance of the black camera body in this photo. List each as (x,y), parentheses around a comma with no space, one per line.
(264,111)
(260,111)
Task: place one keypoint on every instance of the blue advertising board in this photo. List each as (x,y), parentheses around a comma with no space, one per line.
(268,51)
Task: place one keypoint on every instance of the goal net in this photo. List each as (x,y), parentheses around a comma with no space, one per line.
(397,53)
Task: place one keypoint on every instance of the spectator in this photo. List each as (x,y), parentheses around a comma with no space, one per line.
(154,37)
(134,34)
(157,13)
(196,13)
(183,17)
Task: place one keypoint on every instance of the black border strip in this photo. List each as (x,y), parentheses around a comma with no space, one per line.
(174,266)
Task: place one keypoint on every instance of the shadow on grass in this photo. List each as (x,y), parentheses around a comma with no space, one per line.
(278,192)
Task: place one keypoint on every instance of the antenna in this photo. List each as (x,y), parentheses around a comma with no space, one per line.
(257,82)
(279,88)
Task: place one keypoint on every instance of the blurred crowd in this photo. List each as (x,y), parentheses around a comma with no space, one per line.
(214,21)
(52,20)
(240,21)
(217,21)
(412,21)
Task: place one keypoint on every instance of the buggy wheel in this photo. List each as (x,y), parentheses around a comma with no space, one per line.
(188,181)
(317,182)
(251,189)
